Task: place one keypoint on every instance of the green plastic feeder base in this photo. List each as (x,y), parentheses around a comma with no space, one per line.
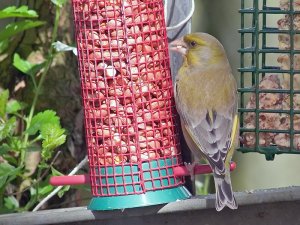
(147,199)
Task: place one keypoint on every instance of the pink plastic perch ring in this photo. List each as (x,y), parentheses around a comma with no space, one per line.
(199,169)
(70,180)
(85,178)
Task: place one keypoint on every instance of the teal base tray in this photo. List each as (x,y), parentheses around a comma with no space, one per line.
(139,200)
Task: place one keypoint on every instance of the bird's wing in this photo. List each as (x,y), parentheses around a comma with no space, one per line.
(211,131)
(213,137)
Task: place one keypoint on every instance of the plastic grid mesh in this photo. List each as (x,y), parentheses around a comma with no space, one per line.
(269,81)
(130,117)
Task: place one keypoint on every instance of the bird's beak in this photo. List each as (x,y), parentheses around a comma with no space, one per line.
(179,46)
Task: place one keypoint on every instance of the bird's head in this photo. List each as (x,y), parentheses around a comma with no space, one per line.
(199,48)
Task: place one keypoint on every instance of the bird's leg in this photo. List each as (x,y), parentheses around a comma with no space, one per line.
(190,167)
(242,140)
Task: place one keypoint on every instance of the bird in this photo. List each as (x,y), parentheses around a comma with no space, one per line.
(205,93)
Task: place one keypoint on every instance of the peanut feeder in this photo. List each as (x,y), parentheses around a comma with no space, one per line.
(130,118)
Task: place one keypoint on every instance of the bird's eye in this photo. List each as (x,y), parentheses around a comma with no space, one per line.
(193,43)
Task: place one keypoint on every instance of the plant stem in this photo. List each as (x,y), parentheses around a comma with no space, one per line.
(38,138)
(34,198)
(37,93)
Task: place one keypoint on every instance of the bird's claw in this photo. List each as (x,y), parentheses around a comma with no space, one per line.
(190,167)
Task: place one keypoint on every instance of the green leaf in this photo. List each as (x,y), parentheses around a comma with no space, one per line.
(44,187)
(22,65)
(3,101)
(22,11)
(14,106)
(45,190)
(43,165)
(7,173)
(3,180)
(4,148)
(15,144)
(14,28)
(42,118)
(59,3)
(53,136)
(4,210)
(25,66)
(5,168)
(7,128)
(51,133)
(11,159)
(55,172)
(50,144)
(4,45)
(11,202)
(62,191)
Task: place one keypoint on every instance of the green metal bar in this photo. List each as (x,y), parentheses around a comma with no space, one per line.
(246,50)
(264,17)
(279,91)
(253,130)
(276,31)
(255,63)
(268,10)
(267,70)
(267,50)
(291,33)
(270,149)
(246,30)
(270,30)
(269,110)
(242,55)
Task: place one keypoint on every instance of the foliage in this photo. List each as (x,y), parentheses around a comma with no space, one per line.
(13,11)
(14,28)
(28,139)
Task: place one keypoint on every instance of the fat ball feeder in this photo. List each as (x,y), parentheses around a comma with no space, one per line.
(269,77)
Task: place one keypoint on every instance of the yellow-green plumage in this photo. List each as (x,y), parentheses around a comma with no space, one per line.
(205,94)
(192,87)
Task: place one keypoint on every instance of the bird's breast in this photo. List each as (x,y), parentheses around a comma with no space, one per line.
(198,92)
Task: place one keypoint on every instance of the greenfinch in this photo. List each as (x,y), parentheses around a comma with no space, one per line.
(206,100)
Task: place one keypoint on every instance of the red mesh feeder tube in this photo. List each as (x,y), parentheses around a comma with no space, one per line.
(127,92)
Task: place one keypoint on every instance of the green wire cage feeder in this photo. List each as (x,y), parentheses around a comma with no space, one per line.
(270,77)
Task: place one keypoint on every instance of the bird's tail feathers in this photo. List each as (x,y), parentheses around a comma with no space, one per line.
(224,193)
